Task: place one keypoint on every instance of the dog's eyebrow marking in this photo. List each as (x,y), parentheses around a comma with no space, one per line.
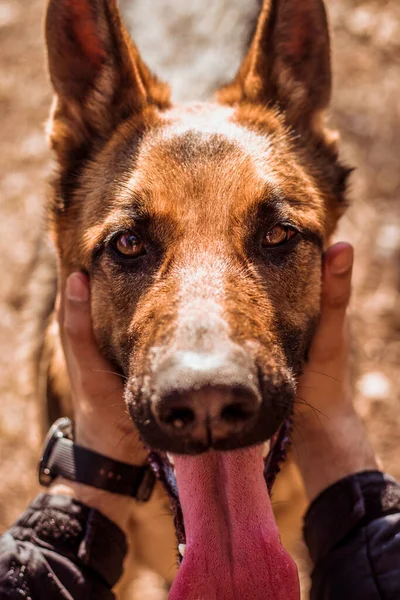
(123,218)
(278,208)
(273,192)
(270,209)
(314,237)
(127,196)
(273,199)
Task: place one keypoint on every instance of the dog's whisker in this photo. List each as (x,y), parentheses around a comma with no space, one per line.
(322,373)
(304,402)
(122,417)
(307,387)
(101,395)
(133,434)
(173,566)
(124,377)
(299,432)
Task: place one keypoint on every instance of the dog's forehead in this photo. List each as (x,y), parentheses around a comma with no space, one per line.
(202,151)
(208,134)
(205,156)
(213,129)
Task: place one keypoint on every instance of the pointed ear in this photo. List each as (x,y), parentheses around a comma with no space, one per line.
(96,71)
(288,63)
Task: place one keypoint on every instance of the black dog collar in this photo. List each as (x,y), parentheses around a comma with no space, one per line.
(62,458)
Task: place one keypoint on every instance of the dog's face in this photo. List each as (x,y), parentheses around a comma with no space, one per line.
(202,227)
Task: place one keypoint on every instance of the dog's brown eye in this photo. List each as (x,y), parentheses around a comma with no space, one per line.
(129,244)
(278,235)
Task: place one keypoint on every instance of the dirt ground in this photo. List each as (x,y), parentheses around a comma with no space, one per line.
(366,109)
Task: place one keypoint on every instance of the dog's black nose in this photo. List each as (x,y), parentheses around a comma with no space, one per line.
(218,410)
(207,398)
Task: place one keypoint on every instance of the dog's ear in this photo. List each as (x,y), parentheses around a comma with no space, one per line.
(288,63)
(96,71)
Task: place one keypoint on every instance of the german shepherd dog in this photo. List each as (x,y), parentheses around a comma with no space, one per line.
(202,226)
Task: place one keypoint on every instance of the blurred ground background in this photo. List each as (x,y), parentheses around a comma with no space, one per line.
(366,109)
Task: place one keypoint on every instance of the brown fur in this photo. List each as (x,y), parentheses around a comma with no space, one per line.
(201,186)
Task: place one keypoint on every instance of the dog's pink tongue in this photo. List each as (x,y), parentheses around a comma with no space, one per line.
(233,550)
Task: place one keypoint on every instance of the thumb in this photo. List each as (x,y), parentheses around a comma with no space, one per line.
(335,297)
(76,318)
(80,346)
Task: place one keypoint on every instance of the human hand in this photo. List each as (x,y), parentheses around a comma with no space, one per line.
(101,422)
(329,439)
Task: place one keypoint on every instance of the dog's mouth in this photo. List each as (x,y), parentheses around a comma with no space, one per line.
(220,499)
(233,549)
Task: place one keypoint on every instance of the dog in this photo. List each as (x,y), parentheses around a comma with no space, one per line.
(202,226)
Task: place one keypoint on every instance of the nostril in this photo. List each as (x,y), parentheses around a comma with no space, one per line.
(237,412)
(178,417)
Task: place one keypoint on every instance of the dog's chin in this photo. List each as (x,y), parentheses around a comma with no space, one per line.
(263,428)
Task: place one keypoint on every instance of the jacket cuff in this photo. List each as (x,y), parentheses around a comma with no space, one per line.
(80,533)
(352,502)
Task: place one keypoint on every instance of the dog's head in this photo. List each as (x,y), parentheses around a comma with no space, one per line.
(202,227)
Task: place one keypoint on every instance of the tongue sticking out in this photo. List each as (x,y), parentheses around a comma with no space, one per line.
(233,550)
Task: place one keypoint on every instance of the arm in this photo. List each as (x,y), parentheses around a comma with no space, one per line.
(61,549)
(70,543)
(352,528)
(352,531)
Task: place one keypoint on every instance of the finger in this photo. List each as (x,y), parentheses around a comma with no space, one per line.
(336,282)
(77,324)
(336,291)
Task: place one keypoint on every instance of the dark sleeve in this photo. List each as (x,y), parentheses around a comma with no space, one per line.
(352,531)
(61,549)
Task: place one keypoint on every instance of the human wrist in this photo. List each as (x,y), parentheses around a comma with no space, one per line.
(119,444)
(328,448)
(115,507)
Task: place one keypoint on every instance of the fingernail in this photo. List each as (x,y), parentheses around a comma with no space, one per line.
(77,290)
(342,262)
